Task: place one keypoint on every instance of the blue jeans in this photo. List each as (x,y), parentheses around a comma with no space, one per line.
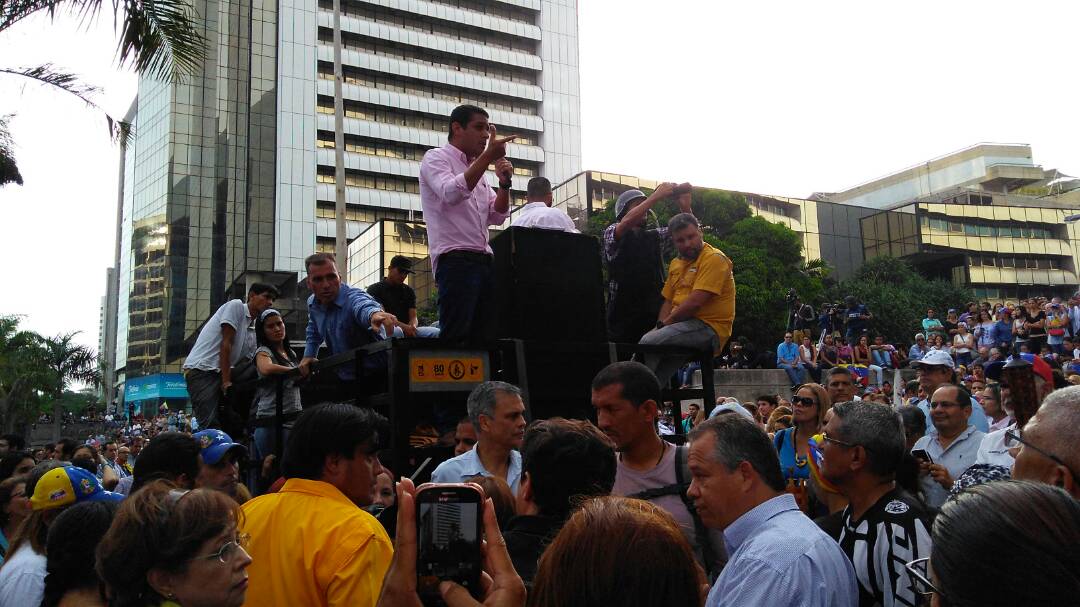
(264,442)
(466,284)
(794,372)
(881,358)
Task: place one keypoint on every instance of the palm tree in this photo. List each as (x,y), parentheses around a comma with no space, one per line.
(23,375)
(158,38)
(69,362)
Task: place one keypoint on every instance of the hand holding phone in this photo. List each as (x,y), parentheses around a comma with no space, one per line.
(502,587)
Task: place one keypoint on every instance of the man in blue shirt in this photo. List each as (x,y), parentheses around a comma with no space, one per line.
(855,317)
(777,556)
(342,316)
(498,414)
(1003,330)
(917,349)
(936,369)
(787,358)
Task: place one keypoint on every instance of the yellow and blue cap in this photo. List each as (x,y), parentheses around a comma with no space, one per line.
(64,486)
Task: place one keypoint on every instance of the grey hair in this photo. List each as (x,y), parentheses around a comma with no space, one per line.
(1059,416)
(737,439)
(681,222)
(877,428)
(482,399)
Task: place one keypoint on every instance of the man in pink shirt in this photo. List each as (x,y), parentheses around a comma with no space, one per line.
(459,205)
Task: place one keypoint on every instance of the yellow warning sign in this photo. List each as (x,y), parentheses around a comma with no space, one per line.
(465,370)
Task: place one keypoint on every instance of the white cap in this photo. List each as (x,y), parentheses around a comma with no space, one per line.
(737,408)
(936,358)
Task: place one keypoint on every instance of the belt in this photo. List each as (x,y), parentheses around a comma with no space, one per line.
(474,256)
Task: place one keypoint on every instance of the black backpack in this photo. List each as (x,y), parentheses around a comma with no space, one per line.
(681,485)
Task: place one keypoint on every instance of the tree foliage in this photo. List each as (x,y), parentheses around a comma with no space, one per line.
(898,296)
(158,38)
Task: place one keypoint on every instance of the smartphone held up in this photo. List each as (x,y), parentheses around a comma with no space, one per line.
(448,525)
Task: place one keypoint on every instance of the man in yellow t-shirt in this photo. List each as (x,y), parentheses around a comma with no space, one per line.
(311,543)
(699,299)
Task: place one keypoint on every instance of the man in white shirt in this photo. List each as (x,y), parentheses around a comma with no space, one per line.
(224,343)
(538,213)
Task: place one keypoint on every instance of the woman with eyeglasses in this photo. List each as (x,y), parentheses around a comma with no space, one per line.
(14,509)
(168,547)
(1002,544)
(809,405)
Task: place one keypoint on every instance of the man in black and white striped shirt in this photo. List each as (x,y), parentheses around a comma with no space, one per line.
(883,526)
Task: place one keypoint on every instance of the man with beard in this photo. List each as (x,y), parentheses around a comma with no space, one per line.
(699,299)
(633,254)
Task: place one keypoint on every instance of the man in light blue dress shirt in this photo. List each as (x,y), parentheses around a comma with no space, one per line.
(777,556)
(498,414)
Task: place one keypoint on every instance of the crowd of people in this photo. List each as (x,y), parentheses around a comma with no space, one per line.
(958,489)
(847,502)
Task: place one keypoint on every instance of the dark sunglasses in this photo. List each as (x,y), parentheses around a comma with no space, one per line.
(803,400)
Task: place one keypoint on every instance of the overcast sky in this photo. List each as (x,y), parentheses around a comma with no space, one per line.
(781,98)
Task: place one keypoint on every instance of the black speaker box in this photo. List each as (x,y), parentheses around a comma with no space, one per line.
(549,286)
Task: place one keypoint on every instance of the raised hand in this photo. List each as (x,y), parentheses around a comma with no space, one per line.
(504,170)
(496,147)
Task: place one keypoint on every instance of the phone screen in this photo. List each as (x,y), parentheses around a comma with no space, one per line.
(448,538)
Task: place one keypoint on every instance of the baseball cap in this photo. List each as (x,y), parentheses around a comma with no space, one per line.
(935,358)
(402,263)
(624,201)
(215,444)
(736,407)
(64,486)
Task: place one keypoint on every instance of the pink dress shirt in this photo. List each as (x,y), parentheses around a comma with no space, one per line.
(457,218)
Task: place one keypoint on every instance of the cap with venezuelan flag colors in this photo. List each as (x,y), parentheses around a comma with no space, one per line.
(61,487)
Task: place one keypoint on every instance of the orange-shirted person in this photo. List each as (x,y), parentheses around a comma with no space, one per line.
(312,544)
(699,298)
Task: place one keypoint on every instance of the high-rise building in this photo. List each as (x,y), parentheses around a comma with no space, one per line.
(304,126)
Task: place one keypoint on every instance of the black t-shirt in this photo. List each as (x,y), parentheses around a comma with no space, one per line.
(395,299)
(893,532)
(526,539)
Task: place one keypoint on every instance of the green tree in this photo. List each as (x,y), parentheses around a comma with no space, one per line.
(898,296)
(158,38)
(68,363)
(23,374)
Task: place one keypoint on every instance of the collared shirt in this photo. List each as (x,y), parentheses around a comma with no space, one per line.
(710,272)
(992,449)
(779,557)
(978,416)
(339,324)
(205,355)
(956,458)
(787,350)
(457,217)
(468,464)
(311,546)
(916,353)
(540,215)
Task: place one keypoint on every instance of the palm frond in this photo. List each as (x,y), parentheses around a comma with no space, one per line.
(48,75)
(9,171)
(159,38)
(14,11)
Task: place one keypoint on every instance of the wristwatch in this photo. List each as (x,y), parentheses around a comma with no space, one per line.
(505,186)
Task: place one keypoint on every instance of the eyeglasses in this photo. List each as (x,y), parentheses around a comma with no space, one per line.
(805,401)
(825,436)
(227,550)
(1013,440)
(919,570)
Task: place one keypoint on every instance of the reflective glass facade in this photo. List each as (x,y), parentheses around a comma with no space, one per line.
(371,252)
(1001,248)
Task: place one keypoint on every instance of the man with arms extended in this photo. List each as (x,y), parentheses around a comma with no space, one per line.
(459,205)
(633,254)
(538,212)
(343,317)
(498,414)
(778,556)
(399,299)
(626,396)
(312,543)
(223,352)
(952,447)
(699,299)
(883,526)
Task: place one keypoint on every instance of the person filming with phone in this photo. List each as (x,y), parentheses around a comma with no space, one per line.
(459,204)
